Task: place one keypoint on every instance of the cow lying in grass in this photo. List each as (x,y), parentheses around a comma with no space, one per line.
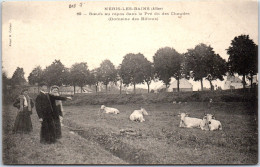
(189,122)
(204,124)
(212,123)
(138,115)
(207,123)
(109,110)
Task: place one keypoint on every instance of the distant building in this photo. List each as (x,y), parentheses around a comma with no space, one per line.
(64,90)
(159,87)
(233,82)
(35,89)
(69,90)
(184,86)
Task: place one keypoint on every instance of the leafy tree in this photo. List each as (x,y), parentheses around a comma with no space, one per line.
(36,76)
(242,55)
(148,71)
(253,68)
(5,81)
(55,74)
(79,75)
(216,68)
(132,69)
(91,78)
(108,72)
(119,78)
(18,77)
(177,68)
(95,76)
(168,63)
(197,62)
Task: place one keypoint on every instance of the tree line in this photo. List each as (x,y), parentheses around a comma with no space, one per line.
(197,63)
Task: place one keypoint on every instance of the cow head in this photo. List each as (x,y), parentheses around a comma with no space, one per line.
(102,107)
(144,112)
(183,115)
(210,117)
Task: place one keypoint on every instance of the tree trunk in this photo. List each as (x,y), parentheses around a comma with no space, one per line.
(211,86)
(96,85)
(148,85)
(201,81)
(244,81)
(120,87)
(106,88)
(251,81)
(178,84)
(81,89)
(74,89)
(38,88)
(134,88)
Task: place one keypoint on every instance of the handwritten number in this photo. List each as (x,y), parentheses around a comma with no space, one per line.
(72,5)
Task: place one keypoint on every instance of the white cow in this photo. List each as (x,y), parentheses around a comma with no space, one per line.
(109,110)
(189,122)
(212,123)
(137,115)
(204,123)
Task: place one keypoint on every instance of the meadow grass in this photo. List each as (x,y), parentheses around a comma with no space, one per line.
(161,141)
(96,137)
(70,149)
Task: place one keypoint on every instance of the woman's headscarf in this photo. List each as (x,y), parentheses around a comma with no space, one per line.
(57,102)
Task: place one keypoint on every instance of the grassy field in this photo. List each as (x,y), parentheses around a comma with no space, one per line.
(71,149)
(91,137)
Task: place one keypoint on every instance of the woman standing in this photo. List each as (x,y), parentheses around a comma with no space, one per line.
(58,111)
(48,115)
(23,121)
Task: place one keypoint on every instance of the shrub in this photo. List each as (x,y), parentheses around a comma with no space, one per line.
(164,97)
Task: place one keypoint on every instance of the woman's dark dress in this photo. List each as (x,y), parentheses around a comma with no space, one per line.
(46,109)
(57,122)
(23,121)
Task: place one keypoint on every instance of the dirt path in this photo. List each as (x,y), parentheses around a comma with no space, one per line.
(114,144)
(71,149)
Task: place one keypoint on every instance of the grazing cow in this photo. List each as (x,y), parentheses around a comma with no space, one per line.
(212,123)
(109,110)
(189,122)
(137,115)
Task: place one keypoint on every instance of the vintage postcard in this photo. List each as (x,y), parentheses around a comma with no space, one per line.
(130,82)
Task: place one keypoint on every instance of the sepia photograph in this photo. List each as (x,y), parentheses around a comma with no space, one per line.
(130,82)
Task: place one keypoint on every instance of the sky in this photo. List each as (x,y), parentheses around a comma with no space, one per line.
(40,32)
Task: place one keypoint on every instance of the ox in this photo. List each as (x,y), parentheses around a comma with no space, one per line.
(109,110)
(189,122)
(137,115)
(204,124)
(212,123)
